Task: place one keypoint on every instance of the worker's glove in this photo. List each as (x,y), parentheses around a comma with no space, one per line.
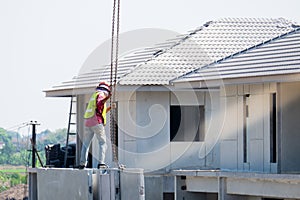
(113,105)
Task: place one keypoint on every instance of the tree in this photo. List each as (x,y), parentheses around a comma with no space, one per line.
(8,148)
(17,153)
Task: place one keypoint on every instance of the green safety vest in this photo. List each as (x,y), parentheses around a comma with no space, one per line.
(92,106)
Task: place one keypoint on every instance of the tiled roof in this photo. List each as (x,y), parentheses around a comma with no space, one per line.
(160,64)
(211,42)
(126,64)
(278,56)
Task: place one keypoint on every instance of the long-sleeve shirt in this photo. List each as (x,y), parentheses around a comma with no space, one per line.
(97,118)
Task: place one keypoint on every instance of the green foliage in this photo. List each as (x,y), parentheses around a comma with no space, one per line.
(3,188)
(8,147)
(8,179)
(47,137)
(16,151)
(19,151)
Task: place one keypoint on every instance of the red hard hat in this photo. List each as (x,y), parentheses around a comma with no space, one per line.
(104,85)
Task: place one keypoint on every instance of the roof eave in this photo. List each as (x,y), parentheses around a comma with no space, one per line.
(242,80)
(68,92)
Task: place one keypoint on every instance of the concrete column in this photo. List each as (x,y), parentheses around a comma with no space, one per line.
(32,180)
(80,127)
(222,188)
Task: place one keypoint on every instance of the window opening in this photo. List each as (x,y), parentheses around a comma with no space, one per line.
(273,129)
(245,125)
(187,123)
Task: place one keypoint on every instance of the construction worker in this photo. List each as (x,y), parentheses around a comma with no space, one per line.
(95,120)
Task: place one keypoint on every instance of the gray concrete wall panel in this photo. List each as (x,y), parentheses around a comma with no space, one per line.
(256,156)
(64,184)
(154,187)
(264,188)
(229,131)
(228,158)
(203,184)
(132,184)
(290,126)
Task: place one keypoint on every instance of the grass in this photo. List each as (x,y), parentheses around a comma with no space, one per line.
(11,176)
(12,169)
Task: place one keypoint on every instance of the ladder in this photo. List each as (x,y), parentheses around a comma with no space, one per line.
(71,131)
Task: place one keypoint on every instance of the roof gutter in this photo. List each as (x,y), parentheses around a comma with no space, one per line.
(216,83)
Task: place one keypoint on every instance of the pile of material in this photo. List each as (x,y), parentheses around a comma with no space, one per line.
(18,192)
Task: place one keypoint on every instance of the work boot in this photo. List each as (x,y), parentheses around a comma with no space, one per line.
(102,166)
(81,167)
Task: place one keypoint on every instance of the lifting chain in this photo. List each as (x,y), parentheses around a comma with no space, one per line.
(113,77)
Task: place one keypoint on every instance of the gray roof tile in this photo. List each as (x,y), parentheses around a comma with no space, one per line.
(126,64)
(278,56)
(160,64)
(209,43)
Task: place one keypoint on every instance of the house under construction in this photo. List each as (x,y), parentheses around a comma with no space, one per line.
(212,114)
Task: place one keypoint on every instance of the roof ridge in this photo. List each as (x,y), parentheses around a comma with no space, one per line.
(254,19)
(282,22)
(162,51)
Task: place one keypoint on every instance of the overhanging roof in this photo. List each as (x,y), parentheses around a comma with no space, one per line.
(167,61)
(85,82)
(274,58)
(209,43)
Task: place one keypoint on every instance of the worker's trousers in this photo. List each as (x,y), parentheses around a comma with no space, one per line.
(88,135)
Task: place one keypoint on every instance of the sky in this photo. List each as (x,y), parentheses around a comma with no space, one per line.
(46,42)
